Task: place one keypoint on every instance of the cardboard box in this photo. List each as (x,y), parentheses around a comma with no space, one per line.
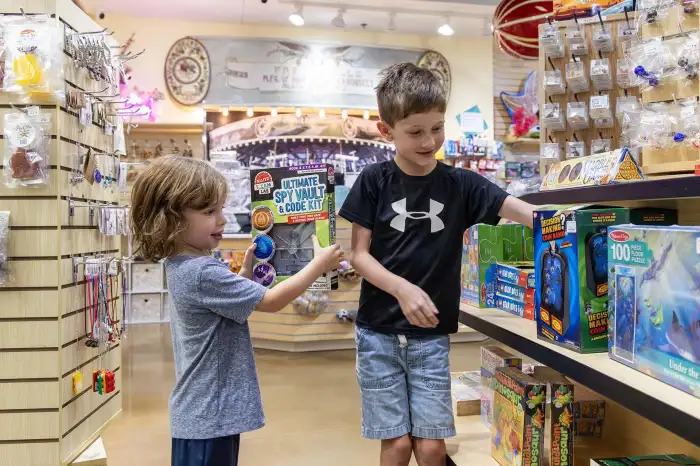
(466,392)
(515,307)
(520,274)
(513,242)
(654,300)
(493,357)
(289,205)
(652,460)
(482,249)
(529,241)
(517,433)
(559,416)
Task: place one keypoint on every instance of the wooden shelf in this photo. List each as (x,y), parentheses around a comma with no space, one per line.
(664,405)
(655,189)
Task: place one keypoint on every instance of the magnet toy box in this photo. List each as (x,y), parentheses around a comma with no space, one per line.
(654,282)
(289,206)
(482,249)
(493,357)
(517,433)
(559,416)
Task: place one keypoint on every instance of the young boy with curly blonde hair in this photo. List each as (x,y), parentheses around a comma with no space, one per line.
(177,215)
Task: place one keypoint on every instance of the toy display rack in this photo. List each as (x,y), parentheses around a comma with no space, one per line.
(42,327)
(545,64)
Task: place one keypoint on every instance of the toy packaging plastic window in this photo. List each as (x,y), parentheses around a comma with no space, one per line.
(551,151)
(27,137)
(577,115)
(554,82)
(576,77)
(576,36)
(575,149)
(553,117)
(601,111)
(601,74)
(4,240)
(552,42)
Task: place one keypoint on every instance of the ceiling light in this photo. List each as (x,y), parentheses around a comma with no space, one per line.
(273,112)
(224,112)
(344,114)
(297,18)
(446,29)
(250,111)
(298,113)
(322,113)
(365,115)
(338,21)
(392,22)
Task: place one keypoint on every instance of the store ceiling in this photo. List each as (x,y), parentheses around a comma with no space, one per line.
(467,17)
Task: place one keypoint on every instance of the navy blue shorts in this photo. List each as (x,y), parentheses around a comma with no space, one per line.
(221,451)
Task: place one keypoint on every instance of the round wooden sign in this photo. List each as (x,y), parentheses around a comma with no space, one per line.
(187,71)
(437,63)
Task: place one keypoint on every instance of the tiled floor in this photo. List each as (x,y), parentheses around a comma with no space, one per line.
(311,402)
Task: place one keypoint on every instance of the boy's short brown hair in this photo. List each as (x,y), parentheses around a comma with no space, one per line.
(406,89)
(160,196)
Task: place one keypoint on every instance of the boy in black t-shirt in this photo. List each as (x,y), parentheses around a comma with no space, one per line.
(408,219)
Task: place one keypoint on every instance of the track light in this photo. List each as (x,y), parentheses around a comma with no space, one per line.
(250,111)
(339,21)
(224,112)
(344,114)
(446,29)
(392,22)
(365,115)
(273,112)
(297,18)
(298,113)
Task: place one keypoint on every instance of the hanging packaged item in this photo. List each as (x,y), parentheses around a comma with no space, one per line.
(550,151)
(577,115)
(627,105)
(688,58)
(34,59)
(688,127)
(576,36)
(690,7)
(27,137)
(576,77)
(600,146)
(601,111)
(575,149)
(553,117)
(551,41)
(654,63)
(601,74)
(656,127)
(554,83)
(653,11)
(602,39)
(625,73)
(4,242)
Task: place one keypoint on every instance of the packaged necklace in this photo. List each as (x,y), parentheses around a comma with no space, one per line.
(656,126)
(688,128)
(652,11)
(601,111)
(601,74)
(653,62)
(577,115)
(34,59)
(578,43)
(27,137)
(551,41)
(602,39)
(553,117)
(554,83)
(551,151)
(600,146)
(576,77)
(688,58)
(4,241)
(625,73)
(575,149)
(627,105)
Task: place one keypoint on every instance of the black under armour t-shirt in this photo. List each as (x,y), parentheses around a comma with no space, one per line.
(417,224)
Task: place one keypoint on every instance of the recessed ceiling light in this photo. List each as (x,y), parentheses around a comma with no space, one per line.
(273,112)
(339,21)
(297,18)
(446,29)
(224,112)
(250,111)
(344,114)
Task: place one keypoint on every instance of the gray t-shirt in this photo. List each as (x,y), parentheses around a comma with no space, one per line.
(216,391)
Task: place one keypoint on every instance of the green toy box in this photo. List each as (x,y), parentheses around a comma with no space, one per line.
(482,249)
(517,242)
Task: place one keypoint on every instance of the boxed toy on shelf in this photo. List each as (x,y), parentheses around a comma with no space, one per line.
(517,433)
(466,392)
(515,289)
(289,206)
(651,460)
(559,416)
(654,281)
(481,251)
(571,273)
(493,357)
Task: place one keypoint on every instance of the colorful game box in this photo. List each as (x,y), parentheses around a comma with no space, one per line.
(520,274)
(289,206)
(653,460)
(559,416)
(493,357)
(516,247)
(520,308)
(481,251)
(654,281)
(529,241)
(517,433)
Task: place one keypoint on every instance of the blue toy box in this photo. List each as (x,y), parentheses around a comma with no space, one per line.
(518,274)
(654,288)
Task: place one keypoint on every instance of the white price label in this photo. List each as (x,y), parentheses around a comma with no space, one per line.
(599,102)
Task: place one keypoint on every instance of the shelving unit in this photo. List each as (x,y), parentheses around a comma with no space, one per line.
(42,310)
(149,301)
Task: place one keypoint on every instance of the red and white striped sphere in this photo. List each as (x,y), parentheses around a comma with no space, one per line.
(515,26)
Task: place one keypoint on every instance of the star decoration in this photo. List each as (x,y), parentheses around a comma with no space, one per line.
(527,99)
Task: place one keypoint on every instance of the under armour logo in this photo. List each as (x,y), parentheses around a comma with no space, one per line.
(399,222)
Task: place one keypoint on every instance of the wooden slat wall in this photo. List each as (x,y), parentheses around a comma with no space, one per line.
(43,311)
(509,75)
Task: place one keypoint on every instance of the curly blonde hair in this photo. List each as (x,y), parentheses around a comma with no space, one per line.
(160,196)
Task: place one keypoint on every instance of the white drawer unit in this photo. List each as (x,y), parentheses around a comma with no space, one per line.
(146,308)
(147,277)
(148,294)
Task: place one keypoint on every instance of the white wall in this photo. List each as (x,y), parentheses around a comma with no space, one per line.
(470,59)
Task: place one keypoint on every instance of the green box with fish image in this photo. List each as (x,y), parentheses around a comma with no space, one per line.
(654,289)
(652,460)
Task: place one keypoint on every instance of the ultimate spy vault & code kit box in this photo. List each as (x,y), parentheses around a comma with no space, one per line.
(654,283)
(571,271)
(289,206)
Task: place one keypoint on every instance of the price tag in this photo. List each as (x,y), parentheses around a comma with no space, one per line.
(33,110)
(599,102)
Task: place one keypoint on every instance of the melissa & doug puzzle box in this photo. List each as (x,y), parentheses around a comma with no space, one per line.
(289,206)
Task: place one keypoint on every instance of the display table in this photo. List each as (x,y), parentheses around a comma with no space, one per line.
(664,405)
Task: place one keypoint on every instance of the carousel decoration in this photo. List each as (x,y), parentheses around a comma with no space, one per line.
(515,24)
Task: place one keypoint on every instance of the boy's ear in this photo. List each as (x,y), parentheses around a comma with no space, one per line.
(385,130)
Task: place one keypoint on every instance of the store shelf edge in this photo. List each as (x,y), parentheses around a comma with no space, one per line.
(669,417)
(666,188)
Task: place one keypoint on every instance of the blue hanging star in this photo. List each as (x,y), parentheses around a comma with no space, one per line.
(526,99)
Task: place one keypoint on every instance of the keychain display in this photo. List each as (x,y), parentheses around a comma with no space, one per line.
(553,117)
(601,111)
(654,62)
(576,37)
(600,146)
(4,242)
(551,41)
(601,74)
(550,151)
(577,115)
(689,57)
(27,134)
(33,58)
(576,77)
(625,73)
(602,39)
(554,83)
(575,149)
(688,127)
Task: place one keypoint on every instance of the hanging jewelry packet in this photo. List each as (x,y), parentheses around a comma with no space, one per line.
(4,241)
(34,60)
(27,139)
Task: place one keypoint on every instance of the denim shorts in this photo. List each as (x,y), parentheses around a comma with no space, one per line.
(405,385)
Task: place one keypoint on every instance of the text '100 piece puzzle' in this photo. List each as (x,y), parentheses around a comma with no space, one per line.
(289,206)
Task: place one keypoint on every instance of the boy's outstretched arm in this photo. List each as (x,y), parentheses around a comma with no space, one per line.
(415,303)
(518,211)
